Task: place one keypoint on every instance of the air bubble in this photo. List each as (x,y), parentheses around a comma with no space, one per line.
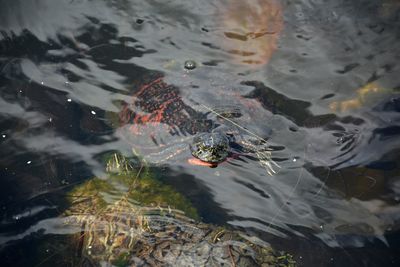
(190,65)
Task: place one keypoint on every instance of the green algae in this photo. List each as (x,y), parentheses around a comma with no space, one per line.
(138,185)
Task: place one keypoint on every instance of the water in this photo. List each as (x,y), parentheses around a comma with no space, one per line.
(318,79)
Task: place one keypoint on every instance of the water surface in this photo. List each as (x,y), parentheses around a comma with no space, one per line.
(318,79)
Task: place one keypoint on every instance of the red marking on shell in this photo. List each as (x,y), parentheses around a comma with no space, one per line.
(155,104)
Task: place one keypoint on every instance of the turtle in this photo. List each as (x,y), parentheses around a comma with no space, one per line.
(157,122)
(132,219)
(160,125)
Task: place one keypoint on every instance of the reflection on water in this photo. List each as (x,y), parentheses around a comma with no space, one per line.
(316,79)
(251,29)
(362,96)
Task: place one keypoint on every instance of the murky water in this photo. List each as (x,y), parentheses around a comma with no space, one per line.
(317,79)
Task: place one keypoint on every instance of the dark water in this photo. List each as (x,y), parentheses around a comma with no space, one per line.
(322,85)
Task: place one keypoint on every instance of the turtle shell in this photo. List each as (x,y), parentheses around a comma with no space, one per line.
(159,104)
(131,219)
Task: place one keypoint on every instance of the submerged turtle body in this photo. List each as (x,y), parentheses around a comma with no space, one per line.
(161,127)
(157,123)
(131,219)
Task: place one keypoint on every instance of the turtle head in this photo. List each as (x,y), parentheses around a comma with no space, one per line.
(210,147)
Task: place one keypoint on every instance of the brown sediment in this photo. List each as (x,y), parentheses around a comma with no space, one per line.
(251,30)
